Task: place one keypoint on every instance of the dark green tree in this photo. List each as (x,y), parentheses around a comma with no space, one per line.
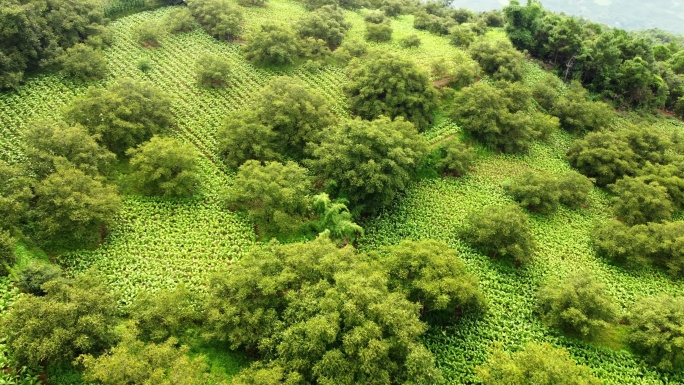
(273,44)
(164,166)
(502,231)
(149,33)
(31,277)
(604,156)
(243,137)
(72,209)
(326,23)
(638,201)
(538,191)
(123,115)
(578,305)
(75,317)
(180,20)
(318,315)
(220,18)
(498,58)
(51,142)
(457,157)
(657,325)
(577,114)
(7,256)
(164,314)
(522,23)
(386,84)
(574,189)
(15,194)
(670,176)
(369,163)
(431,274)
(379,33)
(213,71)
(622,244)
(410,41)
(84,62)
(540,364)
(276,196)
(461,36)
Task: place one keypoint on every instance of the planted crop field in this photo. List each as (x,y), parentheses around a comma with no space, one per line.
(158,243)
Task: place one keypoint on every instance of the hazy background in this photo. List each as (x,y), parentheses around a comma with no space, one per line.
(627,14)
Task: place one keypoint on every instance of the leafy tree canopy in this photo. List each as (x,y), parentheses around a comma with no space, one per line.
(273,44)
(578,305)
(498,58)
(537,191)
(15,193)
(389,85)
(74,317)
(540,364)
(164,166)
(220,18)
(638,202)
(326,23)
(370,162)
(164,314)
(317,314)
(123,115)
(84,62)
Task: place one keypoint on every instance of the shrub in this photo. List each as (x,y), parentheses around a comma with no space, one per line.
(149,34)
(220,18)
(326,23)
(456,158)
(461,36)
(164,314)
(579,306)
(603,156)
(7,256)
(30,278)
(502,231)
(180,20)
(498,58)
(165,167)
(252,3)
(640,202)
(378,33)
(212,71)
(84,63)
(537,191)
(574,189)
(657,329)
(459,70)
(273,44)
(410,41)
(539,364)
(375,17)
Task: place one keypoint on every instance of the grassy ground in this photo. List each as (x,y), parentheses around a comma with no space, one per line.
(157,243)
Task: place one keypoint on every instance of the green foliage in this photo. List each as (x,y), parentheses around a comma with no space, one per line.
(72,209)
(123,115)
(335,218)
(164,166)
(410,41)
(273,44)
(456,158)
(379,33)
(31,277)
(578,305)
(623,244)
(657,331)
(502,231)
(326,23)
(574,189)
(498,58)
(84,62)
(539,364)
(286,116)
(74,317)
(34,33)
(149,34)
(370,162)
(212,71)
(164,314)
(392,8)
(220,18)
(313,5)
(638,201)
(50,142)
(252,3)
(577,114)
(276,196)
(375,17)
(461,36)
(498,117)
(604,156)
(135,362)
(180,20)
(387,84)
(7,256)
(321,315)
(15,193)
(431,274)
(669,176)
(459,70)
(538,191)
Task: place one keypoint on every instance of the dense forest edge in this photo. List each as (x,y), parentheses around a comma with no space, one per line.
(337,192)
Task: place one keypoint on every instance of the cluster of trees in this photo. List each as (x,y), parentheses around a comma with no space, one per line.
(542,191)
(627,69)
(309,312)
(39,33)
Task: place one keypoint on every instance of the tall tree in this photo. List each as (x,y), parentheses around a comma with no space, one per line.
(370,162)
(220,18)
(389,85)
